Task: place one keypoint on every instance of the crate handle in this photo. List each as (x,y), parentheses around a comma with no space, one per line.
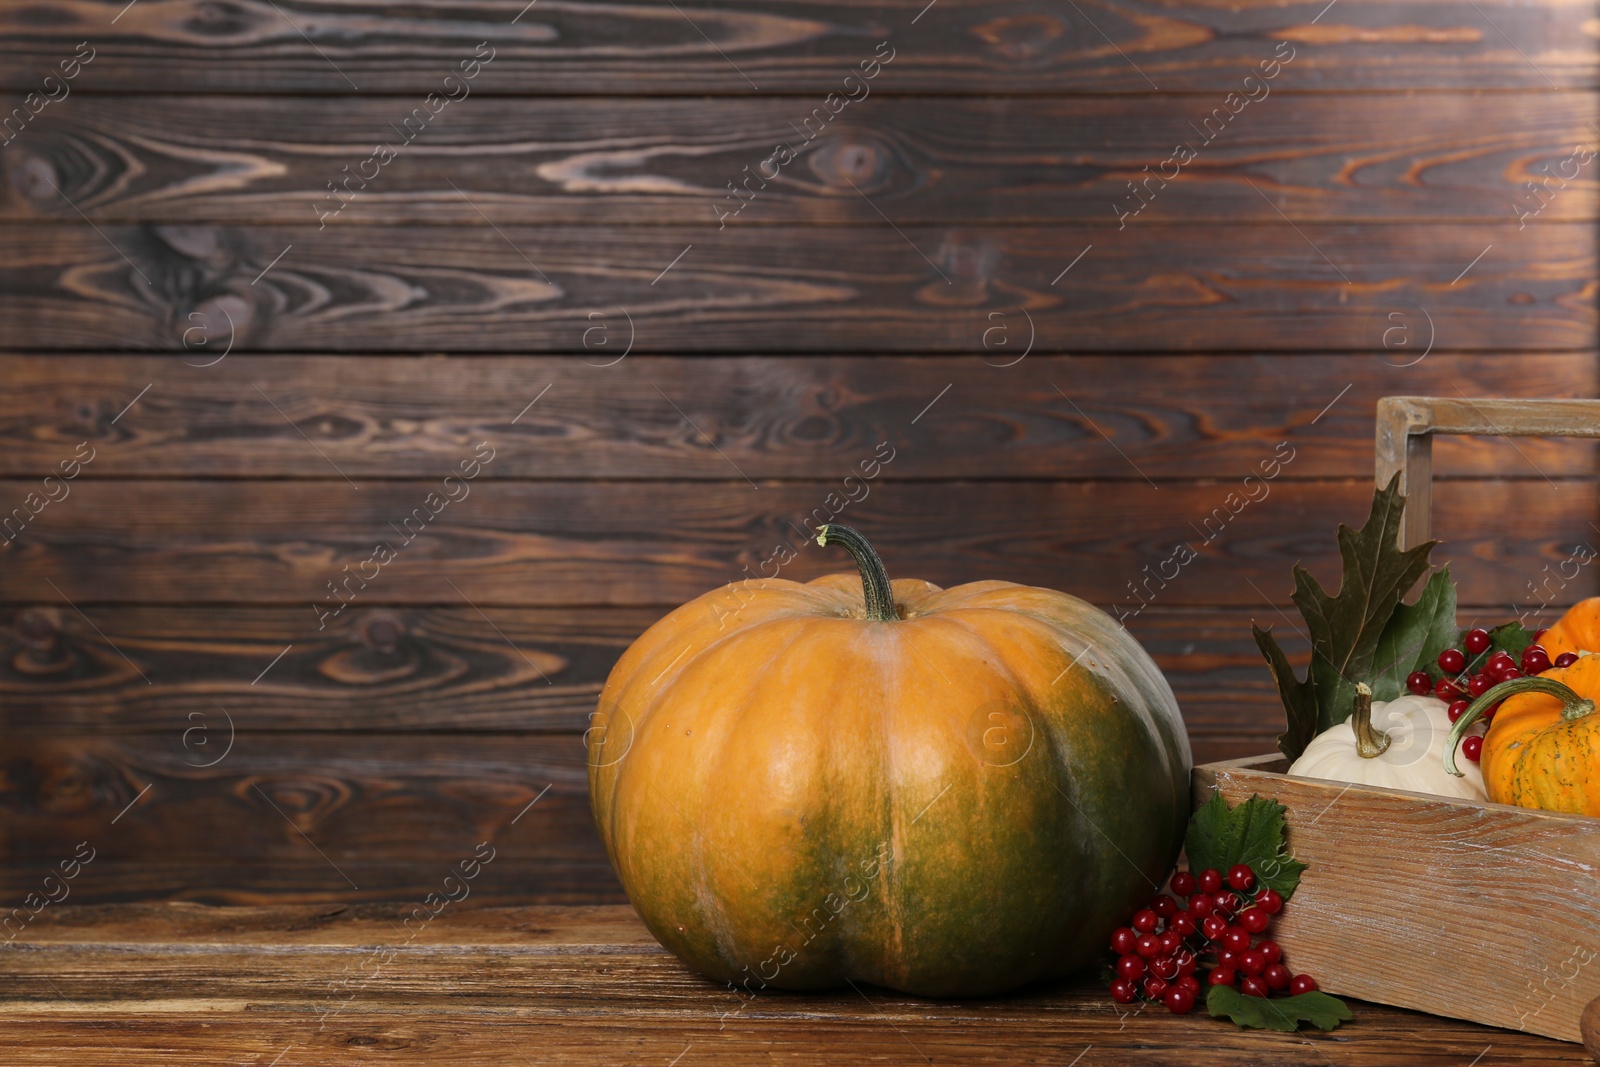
(1406,425)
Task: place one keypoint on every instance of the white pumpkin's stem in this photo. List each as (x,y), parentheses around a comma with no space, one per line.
(874,577)
(1573,706)
(1370,743)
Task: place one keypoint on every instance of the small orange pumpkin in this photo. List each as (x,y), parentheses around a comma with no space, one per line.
(1543,747)
(1576,631)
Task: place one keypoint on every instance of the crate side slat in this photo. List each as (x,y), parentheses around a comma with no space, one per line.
(1400,882)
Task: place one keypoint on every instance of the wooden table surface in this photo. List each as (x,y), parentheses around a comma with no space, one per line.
(173,984)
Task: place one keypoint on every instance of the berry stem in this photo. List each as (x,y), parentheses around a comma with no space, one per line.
(1370,743)
(1573,706)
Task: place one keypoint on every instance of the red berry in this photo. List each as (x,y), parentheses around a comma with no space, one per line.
(1509,673)
(1210,881)
(1445,689)
(1155,988)
(1419,683)
(1488,712)
(1237,938)
(1241,877)
(1451,661)
(1122,940)
(1270,901)
(1222,976)
(1183,883)
(1189,982)
(1164,968)
(1214,926)
(1472,747)
(1277,976)
(1164,906)
(1252,986)
(1476,640)
(1478,685)
(1252,962)
(1145,920)
(1179,1001)
(1227,958)
(1302,983)
(1171,941)
(1228,903)
(1270,950)
(1500,656)
(1182,924)
(1538,635)
(1201,905)
(1566,659)
(1130,967)
(1255,920)
(1148,946)
(1457,708)
(1535,660)
(1124,991)
(1187,961)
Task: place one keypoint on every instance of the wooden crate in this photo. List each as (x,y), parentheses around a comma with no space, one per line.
(1485,912)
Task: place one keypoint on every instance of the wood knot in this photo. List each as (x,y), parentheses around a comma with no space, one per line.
(305,801)
(969,267)
(34,178)
(39,628)
(855,159)
(382,630)
(385,653)
(1021,38)
(215,19)
(43,651)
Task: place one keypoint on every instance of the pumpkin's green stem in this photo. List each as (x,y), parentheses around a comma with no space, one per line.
(874,578)
(1370,743)
(1573,707)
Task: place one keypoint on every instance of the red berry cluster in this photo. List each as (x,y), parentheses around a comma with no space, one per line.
(1460,688)
(1159,953)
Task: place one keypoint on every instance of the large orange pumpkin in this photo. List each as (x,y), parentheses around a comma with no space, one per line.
(946,792)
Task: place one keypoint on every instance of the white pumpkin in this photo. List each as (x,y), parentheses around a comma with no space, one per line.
(1399,744)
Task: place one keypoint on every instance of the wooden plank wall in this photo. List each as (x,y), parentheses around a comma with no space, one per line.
(260,292)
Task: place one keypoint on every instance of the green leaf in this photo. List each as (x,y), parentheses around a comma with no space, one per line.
(1415,636)
(1511,637)
(1299,698)
(1345,629)
(1278,1013)
(1251,833)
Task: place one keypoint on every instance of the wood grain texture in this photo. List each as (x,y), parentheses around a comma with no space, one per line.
(348,800)
(532,875)
(775,417)
(160,1035)
(443,670)
(440,669)
(520,289)
(922,161)
(651,543)
(740,48)
(1521,881)
(579,985)
(328,816)
(381,669)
